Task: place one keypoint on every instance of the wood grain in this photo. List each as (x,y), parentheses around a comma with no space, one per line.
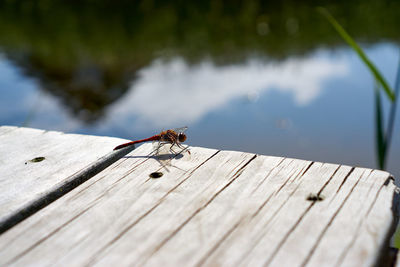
(209,207)
(39,166)
(212,208)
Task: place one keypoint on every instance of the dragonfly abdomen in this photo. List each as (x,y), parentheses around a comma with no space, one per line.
(153,138)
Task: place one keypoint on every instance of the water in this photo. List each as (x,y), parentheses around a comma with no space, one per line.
(286,96)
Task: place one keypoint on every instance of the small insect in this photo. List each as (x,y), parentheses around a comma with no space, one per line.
(315,197)
(172,136)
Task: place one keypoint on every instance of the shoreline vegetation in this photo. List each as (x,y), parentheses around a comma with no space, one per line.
(87,54)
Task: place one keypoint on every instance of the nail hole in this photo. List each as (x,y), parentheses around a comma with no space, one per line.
(315,197)
(156,175)
(37,159)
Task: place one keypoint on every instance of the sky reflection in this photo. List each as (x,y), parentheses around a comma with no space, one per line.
(173,93)
(319,107)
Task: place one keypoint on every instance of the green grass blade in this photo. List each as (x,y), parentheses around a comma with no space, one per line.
(392,113)
(380,137)
(342,32)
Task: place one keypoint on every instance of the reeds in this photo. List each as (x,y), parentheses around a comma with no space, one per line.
(382,135)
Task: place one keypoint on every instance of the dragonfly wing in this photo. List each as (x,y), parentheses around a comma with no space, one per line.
(180,130)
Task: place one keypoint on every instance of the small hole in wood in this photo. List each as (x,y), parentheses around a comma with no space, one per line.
(315,197)
(156,175)
(37,159)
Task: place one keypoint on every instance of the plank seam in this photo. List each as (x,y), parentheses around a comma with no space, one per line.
(61,189)
(234,177)
(273,215)
(123,159)
(102,177)
(111,186)
(300,174)
(91,205)
(344,180)
(359,225)
(268,174)
(294,226)
(372,183)
(273,194)
(314,247)
(43,239)
(94,258)
(237,165)
(219,242)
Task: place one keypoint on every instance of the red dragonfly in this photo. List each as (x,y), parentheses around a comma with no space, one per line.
(173,137)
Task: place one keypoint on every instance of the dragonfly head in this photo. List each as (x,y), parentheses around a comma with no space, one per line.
(181,137)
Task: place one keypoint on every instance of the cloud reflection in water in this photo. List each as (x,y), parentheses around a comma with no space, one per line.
(173,93)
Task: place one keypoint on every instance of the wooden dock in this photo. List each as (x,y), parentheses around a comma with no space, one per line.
(70,200)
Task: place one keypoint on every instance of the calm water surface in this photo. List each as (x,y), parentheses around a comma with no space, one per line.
(319,107)
(262,78)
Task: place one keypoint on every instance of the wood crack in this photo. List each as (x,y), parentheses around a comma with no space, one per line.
(102,177)
(219,242)
(294,226)
(61,189)
(273,215)
(94,258)
(359,225)
(300,174)
(314,247)
(268,174)
(162,243)
(345,179)
(43,239)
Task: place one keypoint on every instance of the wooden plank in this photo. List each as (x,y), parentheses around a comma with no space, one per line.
(212,208)
(39,166)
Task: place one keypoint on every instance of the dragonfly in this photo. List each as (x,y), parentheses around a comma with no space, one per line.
(172,136)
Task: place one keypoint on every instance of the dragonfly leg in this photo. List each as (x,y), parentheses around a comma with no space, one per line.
(181,147)
(185,149)
(170,149)
(159,145)
(157,150)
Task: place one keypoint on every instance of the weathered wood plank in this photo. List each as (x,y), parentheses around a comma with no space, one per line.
(117,198)
(67,160)
(212,208)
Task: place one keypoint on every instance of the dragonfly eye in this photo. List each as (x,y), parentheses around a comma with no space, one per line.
(181,137)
